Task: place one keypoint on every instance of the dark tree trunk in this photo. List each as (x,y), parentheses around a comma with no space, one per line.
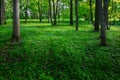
(16,22)
(41,13)
(91,13)
(59,12)
(111,12)
(102,23)
(26,12)
(71,12)
(50,12)
(57,8)
(2,12)
(96,26)
(54,13)
(76,13)
(40,10)
(106,3)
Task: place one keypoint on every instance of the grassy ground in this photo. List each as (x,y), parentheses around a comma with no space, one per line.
(59,53)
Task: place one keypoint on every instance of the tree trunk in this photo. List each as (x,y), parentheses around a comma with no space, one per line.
(96,26)
(71,12)
(111,12)
(2,12)
(50,12)
(76,13)
(40,10)
(106,3)
(54,13)
(16,22)
(91,13)
(26,12)
(59,11)
(102,23)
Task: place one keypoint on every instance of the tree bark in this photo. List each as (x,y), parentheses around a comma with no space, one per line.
(2,12)
(111,12)
(40,10)
(71,12)
(26,12)
(91,13)
(96,26)
(59,11)
(50,12)
(76,13)
(16,22)
(102,23)
(106,3)
(54,13)
(57,8)
(1,17)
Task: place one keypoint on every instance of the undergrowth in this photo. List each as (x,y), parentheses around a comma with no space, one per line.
(59,53)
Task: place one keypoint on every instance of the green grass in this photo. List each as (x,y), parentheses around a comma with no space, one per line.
(59,53)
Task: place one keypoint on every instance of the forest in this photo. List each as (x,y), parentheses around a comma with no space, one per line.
(59,39)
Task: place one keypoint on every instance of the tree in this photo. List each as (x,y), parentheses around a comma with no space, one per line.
(71,12)
(54,12)
(16,23)
(106,2)
(102,23)
(76,14)
(58,10)
(26,11)
(96,26)
(50,12)
(91,13)
(2,12)
(40,10)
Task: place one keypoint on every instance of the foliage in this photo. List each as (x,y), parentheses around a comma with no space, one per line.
(58,53)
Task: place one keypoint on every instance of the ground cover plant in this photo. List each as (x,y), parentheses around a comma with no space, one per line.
(59,40)
(59,53)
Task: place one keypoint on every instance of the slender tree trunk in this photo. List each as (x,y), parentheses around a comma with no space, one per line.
(40,10)
(76,13)
(111,12)
(91,13)
(50,12)
(2,12)
(106,3)
(26,12)
(96,26)
(71,12)
(102,23)
(59,11)
(16,22)
(54,13)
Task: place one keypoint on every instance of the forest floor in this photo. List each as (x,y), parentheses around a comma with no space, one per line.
(59,53)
